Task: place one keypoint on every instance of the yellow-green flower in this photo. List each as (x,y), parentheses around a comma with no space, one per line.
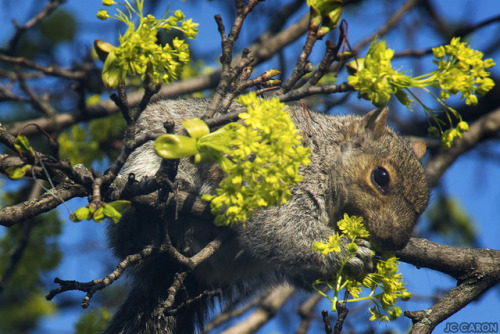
(373,77)
(385,279)
(333,245)
(139,52)
(463,126)
(353,227)
(450,135)
(102,14)
(263,163)
(462,70)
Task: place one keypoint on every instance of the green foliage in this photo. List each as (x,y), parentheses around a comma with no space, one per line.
(138,52)
(460,70)
(93,321)
(325,15)
(98,213)
(16,173)
(22,302)
(373,76)
(23,147)
(88,144)
(202,145)
(448,218)
(263,164)
(385,279)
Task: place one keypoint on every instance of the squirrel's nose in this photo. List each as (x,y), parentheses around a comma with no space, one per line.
(392,243)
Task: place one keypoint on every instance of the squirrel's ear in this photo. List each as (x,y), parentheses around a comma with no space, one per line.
(418,146)
(376,121)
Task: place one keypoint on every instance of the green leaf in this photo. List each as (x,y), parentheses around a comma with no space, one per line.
(327,10)
(112,74)
(110,212)
(171,146)
(15,173)
(81,214)
(120,205)
(196,127)
(219,140)
(103,48)
(23,145)
(98,215)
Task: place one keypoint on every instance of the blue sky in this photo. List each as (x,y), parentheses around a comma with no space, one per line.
(473,181)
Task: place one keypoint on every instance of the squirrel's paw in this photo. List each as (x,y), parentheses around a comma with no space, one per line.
(362,263)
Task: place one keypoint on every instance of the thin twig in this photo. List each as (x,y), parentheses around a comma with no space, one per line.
(326,322)
(228,74)
(37,102)
(20,30)
(389,24)
(49,70)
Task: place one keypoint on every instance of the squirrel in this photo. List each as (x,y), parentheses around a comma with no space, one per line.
(359,166)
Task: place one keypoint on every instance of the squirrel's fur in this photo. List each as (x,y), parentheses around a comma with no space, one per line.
(275,245)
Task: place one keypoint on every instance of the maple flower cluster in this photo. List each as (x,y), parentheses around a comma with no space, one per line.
(261,159)
(386,277)
(460,70)
(263,164)
(139,51)
(374,76)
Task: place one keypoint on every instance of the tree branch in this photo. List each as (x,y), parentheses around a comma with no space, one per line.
(46,11)
(265,311)
(476,270)
(389,24)
(15,214)
(49,70)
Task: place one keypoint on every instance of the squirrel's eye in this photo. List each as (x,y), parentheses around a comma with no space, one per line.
(380,177)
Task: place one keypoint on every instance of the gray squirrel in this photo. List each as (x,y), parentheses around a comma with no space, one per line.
(359,166)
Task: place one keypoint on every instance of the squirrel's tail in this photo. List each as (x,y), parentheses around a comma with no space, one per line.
(141,313)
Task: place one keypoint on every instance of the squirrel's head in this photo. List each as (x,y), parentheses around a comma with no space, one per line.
(384,180)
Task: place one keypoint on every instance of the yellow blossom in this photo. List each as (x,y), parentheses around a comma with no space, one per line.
(263,164)
(139,51)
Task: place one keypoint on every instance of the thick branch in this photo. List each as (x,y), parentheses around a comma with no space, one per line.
(476,270)
(12,215)
(268,309)
(228,314)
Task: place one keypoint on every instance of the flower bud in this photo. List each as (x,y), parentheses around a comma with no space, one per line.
(463,126)
(102,14)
